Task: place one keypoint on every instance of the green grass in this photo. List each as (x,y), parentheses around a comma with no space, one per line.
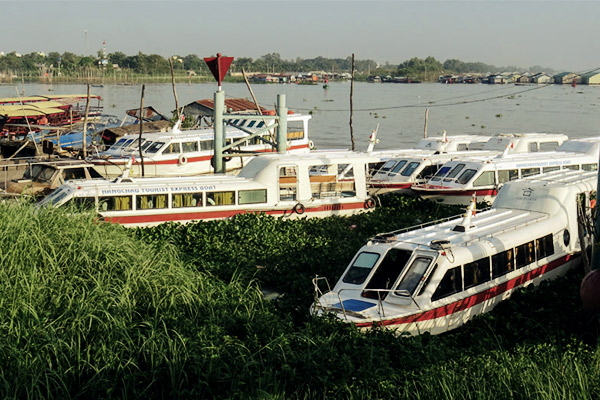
(93,310)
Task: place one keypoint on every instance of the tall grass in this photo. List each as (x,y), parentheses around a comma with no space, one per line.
(92,310)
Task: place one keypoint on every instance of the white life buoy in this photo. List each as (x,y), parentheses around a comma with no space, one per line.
(182,159)
(311,145)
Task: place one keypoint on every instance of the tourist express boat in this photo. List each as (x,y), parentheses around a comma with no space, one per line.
(178,153)
(437,277)
(312,185)
(458,180)
(400,173)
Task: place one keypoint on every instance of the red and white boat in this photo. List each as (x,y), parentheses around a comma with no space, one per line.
(435,278)
(458,180)
(318,184)
(189,152)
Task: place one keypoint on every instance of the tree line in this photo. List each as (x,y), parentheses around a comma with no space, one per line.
(69,64)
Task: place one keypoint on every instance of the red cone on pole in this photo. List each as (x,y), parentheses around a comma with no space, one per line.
(219,66)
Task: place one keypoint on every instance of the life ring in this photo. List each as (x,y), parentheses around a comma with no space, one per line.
(183,159)
(299,209)
(311,145)
(369,203)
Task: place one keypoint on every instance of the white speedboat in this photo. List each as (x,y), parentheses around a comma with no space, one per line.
(458,180)
(189,152)
(313,185)
(403,171)
(435,278)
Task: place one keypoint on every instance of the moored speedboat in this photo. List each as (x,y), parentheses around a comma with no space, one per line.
(189,152)
(436,278)
(293,186)
(402,172)
(458,180)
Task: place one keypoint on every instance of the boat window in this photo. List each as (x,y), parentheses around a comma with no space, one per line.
(260,124)
(544,246)
(454,173)
(32,171)
(414,275)
(529,172)
(427,172)
(573,167)
(441,172)
(507,175)
(410,168)
(56,196)
(589,167)
(462,147)
(156,146)
(533,147)
(207,144)
(345,172)
(45,174)
(189,147)
(388,165)
(386,274)
(172,148)
(252,196)
(524,254)
(151,201)
(361,268)
(450,284)
(118,144)
(428,280)
(548,146)
(220,198)
(287,183)
(485,179)
(251,124)
(134,144)
(502,263)
(295,130)
(146,144)
(466,176)
(397,167)
(477,272)
(187,200)
(115,203)
(550,169)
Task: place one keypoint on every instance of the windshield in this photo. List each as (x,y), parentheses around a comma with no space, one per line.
(45,174)
(156,146)
(361,268)
(413,276)
(397,167)
(57,197)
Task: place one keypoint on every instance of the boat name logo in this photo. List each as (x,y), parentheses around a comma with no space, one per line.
(105,192)
(543,163)
(527,192)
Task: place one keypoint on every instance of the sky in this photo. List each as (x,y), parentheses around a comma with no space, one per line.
(556,34)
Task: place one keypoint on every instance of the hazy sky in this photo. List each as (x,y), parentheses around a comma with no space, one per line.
(558,34)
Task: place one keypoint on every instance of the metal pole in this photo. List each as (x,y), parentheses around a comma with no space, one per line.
(282,126)
(219,131)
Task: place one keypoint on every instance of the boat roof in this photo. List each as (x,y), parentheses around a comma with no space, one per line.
(519,203)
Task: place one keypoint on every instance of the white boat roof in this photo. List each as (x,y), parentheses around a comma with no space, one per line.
(518,203)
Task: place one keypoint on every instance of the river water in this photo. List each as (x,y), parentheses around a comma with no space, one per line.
(398,109)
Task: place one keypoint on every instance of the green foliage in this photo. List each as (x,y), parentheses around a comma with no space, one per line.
(93,310)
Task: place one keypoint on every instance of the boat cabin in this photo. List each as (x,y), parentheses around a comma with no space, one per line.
(434,278)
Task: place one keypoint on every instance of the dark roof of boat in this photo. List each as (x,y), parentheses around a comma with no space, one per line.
(206,106)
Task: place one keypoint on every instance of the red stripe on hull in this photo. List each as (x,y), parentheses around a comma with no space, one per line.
(391,185)
(201,215)
(448,192)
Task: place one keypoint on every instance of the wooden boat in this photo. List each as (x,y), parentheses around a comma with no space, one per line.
(458,180)
(435,278)
(179,153)
(318,184)
(402,172)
